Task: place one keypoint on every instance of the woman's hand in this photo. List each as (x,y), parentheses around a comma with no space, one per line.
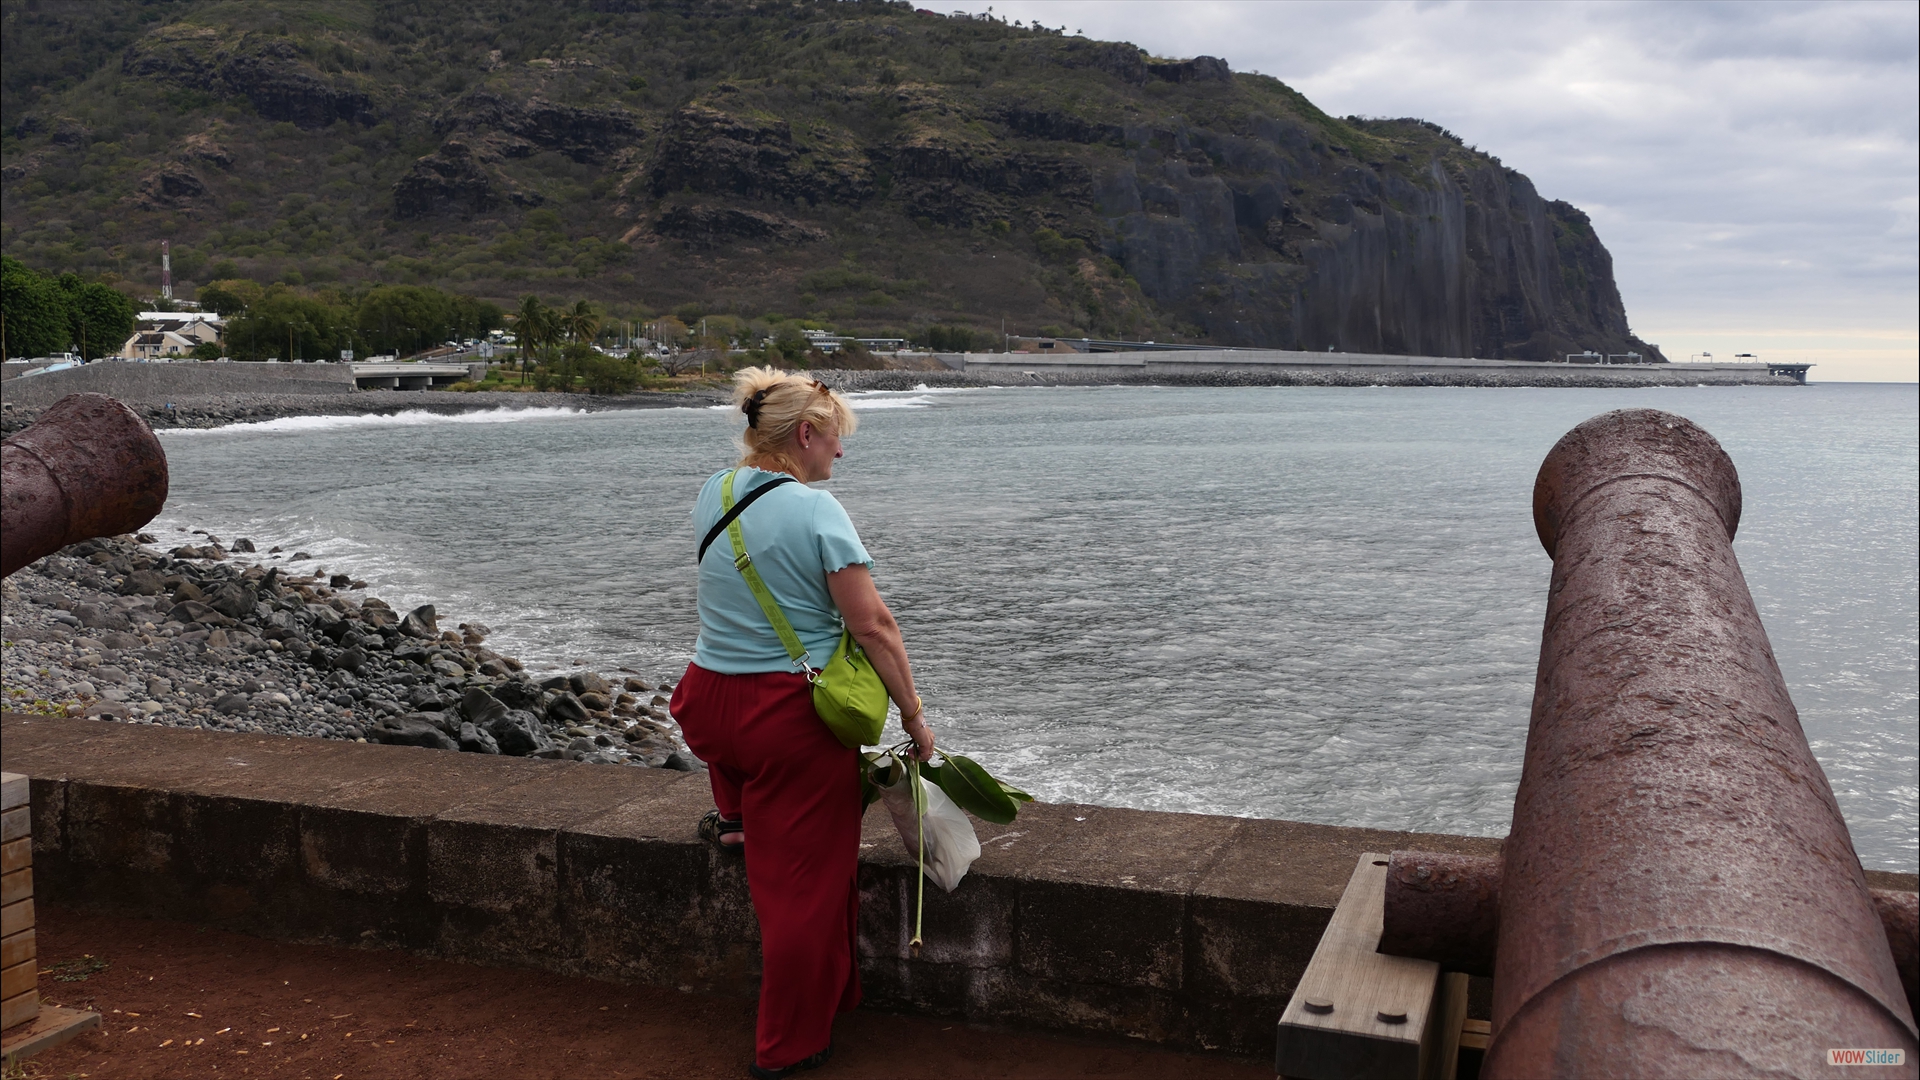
(921,734)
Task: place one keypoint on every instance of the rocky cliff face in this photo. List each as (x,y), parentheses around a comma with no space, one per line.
(1267,239)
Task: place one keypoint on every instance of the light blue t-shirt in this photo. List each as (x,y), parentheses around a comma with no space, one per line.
(797,536)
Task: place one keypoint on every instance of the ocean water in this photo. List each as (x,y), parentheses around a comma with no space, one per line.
(1309,603)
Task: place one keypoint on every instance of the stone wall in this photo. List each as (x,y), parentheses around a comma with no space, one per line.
(1183,929)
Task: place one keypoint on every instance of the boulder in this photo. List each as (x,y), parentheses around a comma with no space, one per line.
(425,699)
(518,733)
(473,740)
(234,600)
(481,707)
(117,639)
(413,729)
(96,617)
(586,682)
(566,709)
(232,703)
(243,544)
(421,622)
(142,583)
(595,702)
(351,659)
(517,693)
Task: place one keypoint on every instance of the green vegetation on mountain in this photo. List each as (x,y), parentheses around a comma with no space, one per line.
(855,164)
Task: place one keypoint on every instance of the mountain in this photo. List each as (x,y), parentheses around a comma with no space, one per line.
(867,165)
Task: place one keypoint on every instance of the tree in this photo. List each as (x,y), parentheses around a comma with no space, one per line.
(33,315)
(99,318)
(605,374)
(535,325)
(228,297)
(582,324)
(287,324)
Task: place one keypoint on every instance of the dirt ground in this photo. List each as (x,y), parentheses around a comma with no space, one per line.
(181,1001)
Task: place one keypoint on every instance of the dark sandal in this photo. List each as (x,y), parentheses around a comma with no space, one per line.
(713,827)
(760,1072)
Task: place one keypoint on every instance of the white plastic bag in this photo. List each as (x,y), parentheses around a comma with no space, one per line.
(951,845)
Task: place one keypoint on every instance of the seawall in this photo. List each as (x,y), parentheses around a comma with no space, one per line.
(1183,929)
(1284,367)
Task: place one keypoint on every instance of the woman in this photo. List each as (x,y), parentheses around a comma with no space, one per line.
(786,793)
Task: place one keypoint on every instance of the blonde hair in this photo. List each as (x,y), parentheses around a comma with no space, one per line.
(776,403)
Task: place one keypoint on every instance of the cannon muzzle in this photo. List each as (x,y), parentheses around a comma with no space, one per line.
(88,467)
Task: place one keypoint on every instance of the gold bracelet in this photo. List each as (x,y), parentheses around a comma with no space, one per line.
(919,709)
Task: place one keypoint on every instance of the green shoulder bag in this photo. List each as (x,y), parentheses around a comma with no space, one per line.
(847,691)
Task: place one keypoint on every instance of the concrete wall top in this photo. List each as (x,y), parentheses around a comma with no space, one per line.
(143,384)
(1184,929)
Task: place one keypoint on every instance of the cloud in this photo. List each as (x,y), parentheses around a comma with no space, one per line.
(1748,165)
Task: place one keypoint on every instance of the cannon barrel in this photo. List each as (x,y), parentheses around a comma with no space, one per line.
(1679,894)
(88,467)
(1446,908)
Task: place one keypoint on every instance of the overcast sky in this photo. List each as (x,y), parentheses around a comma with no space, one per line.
(1753,168)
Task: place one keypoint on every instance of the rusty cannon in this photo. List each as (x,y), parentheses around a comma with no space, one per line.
(1678,895)
(88,467)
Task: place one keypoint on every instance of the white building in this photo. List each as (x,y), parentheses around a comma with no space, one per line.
(162,335)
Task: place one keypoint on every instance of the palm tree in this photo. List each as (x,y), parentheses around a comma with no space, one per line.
(582,323)
(535,325)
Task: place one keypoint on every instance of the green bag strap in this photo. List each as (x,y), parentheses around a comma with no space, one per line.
(743,562)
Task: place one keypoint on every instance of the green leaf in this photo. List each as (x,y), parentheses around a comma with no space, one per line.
(975,790)
(919,793)
(1014,793)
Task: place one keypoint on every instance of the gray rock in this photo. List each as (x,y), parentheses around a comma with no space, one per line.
(677,762)
(426,699)
(443,666)
(109,708)
(96,617)
(142,583)
(234,600)
(566,709)
(595,702)
(413,729)
(116,639)
(518,694)
(495,669)
(586,682)
(421,622)
(232,703)
(159,687)
(243,544)
(385,706)
(518,733)
(473,740)
(109,674)
(352,659)
(481,707)
(582,746)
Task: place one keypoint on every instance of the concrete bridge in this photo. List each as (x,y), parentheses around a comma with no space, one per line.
(399,376)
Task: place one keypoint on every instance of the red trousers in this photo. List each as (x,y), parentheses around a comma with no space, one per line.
(777,768)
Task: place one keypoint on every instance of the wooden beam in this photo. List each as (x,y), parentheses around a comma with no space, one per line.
(1358,1013)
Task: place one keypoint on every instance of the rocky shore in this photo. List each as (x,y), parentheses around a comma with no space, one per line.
(216,635)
